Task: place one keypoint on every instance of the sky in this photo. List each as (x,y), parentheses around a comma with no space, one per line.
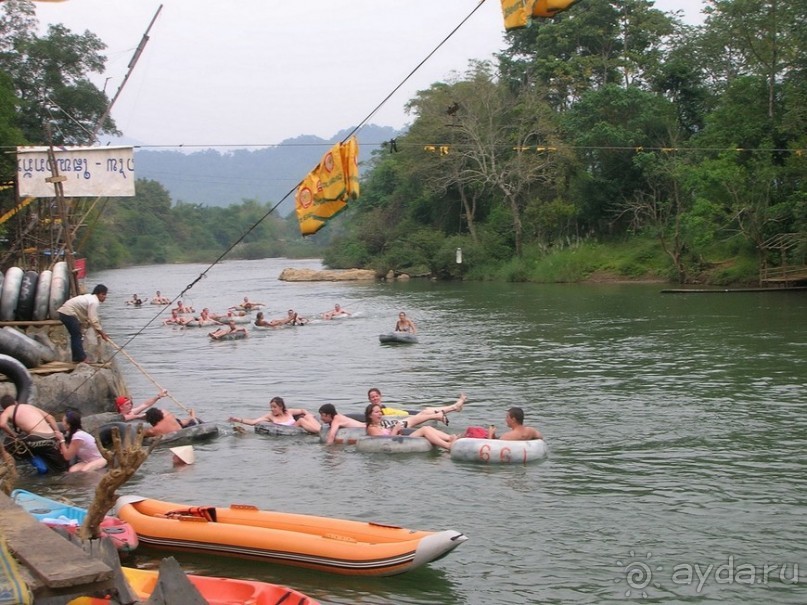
(256,72)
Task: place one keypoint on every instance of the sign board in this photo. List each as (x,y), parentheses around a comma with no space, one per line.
(87,171)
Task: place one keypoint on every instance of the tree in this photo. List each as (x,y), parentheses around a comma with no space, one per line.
(49,75)
(608,127)
(603,43)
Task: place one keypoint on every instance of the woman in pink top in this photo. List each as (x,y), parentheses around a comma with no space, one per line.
(80,445)
(280,414)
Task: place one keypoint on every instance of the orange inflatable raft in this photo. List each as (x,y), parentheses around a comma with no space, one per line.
(335,545)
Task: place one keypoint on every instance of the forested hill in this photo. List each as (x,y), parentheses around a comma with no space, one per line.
(221,178)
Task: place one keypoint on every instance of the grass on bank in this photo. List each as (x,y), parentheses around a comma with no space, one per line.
(635,259)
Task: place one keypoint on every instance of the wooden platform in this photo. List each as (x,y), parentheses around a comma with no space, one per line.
(49,562)
(54,367)
(730,290)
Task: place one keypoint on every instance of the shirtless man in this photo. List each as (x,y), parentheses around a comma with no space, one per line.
(181,308)
(247,305)
(291,318)
(228,329)
(163,423)
(518,432)
(329,415)
(337,311)
(35,427)
(159,299)
(176,319)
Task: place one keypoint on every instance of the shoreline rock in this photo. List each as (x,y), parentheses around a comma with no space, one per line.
(296,275)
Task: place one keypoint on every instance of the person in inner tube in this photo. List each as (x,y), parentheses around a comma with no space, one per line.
(230,328)
(163,423)
(35,428)
(518,432)
(129,412)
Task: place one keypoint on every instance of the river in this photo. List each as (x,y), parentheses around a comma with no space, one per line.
(675,423)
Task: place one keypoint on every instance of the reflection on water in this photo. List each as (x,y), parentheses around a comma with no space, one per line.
(674,424)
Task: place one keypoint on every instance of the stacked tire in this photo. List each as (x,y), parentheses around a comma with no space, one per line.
(28,296)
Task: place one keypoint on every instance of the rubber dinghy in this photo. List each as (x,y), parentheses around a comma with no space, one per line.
(219,591)
(69,517)
(327,544)
(399,338)
(498,451)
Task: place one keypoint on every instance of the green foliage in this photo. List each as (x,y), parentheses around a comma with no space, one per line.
(50,75)
(611,141)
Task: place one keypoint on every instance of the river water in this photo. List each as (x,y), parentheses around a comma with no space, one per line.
(675,424)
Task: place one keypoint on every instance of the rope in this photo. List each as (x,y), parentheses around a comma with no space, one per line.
(146,374)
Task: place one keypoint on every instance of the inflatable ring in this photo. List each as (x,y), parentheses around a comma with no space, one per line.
(498,451)
(19,375)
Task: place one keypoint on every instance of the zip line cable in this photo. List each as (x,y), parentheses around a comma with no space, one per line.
(204,273)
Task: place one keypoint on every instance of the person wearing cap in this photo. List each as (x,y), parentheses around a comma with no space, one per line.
(81,312)
(129,412)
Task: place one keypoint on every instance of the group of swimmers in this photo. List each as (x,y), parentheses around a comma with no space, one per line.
(381,420)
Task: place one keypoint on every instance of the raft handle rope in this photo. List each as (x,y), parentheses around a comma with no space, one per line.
(146,374)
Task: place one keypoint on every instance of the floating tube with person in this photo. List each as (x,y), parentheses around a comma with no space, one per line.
(40,452)
(204,431)
(393,338)
(344,436)
(280,430)
(394,444)
(498,451)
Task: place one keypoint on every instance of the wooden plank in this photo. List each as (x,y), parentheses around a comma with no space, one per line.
(49,557)
(38,322)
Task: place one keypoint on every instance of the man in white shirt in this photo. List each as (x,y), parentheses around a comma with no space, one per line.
(81,312)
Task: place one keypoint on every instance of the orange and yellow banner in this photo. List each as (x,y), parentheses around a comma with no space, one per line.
(325,191)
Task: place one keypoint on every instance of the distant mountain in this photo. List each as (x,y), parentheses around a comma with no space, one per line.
(221,178)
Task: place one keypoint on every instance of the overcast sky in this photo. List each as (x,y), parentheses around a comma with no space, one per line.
(255,72)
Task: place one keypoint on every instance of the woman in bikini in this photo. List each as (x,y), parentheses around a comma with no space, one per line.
(373,415)
(280,414)
(404,324)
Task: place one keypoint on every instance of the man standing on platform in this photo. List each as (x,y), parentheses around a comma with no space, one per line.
(81,312)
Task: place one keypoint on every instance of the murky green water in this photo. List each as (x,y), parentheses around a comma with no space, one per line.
(676,428)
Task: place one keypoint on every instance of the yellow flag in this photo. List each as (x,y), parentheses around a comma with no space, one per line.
(516,13)
(350,163)
(308,195)
(331,174)
(550,8)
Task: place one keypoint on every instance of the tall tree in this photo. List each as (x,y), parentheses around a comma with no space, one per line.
(50,76)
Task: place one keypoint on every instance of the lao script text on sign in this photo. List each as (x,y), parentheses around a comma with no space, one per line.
(89,171)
